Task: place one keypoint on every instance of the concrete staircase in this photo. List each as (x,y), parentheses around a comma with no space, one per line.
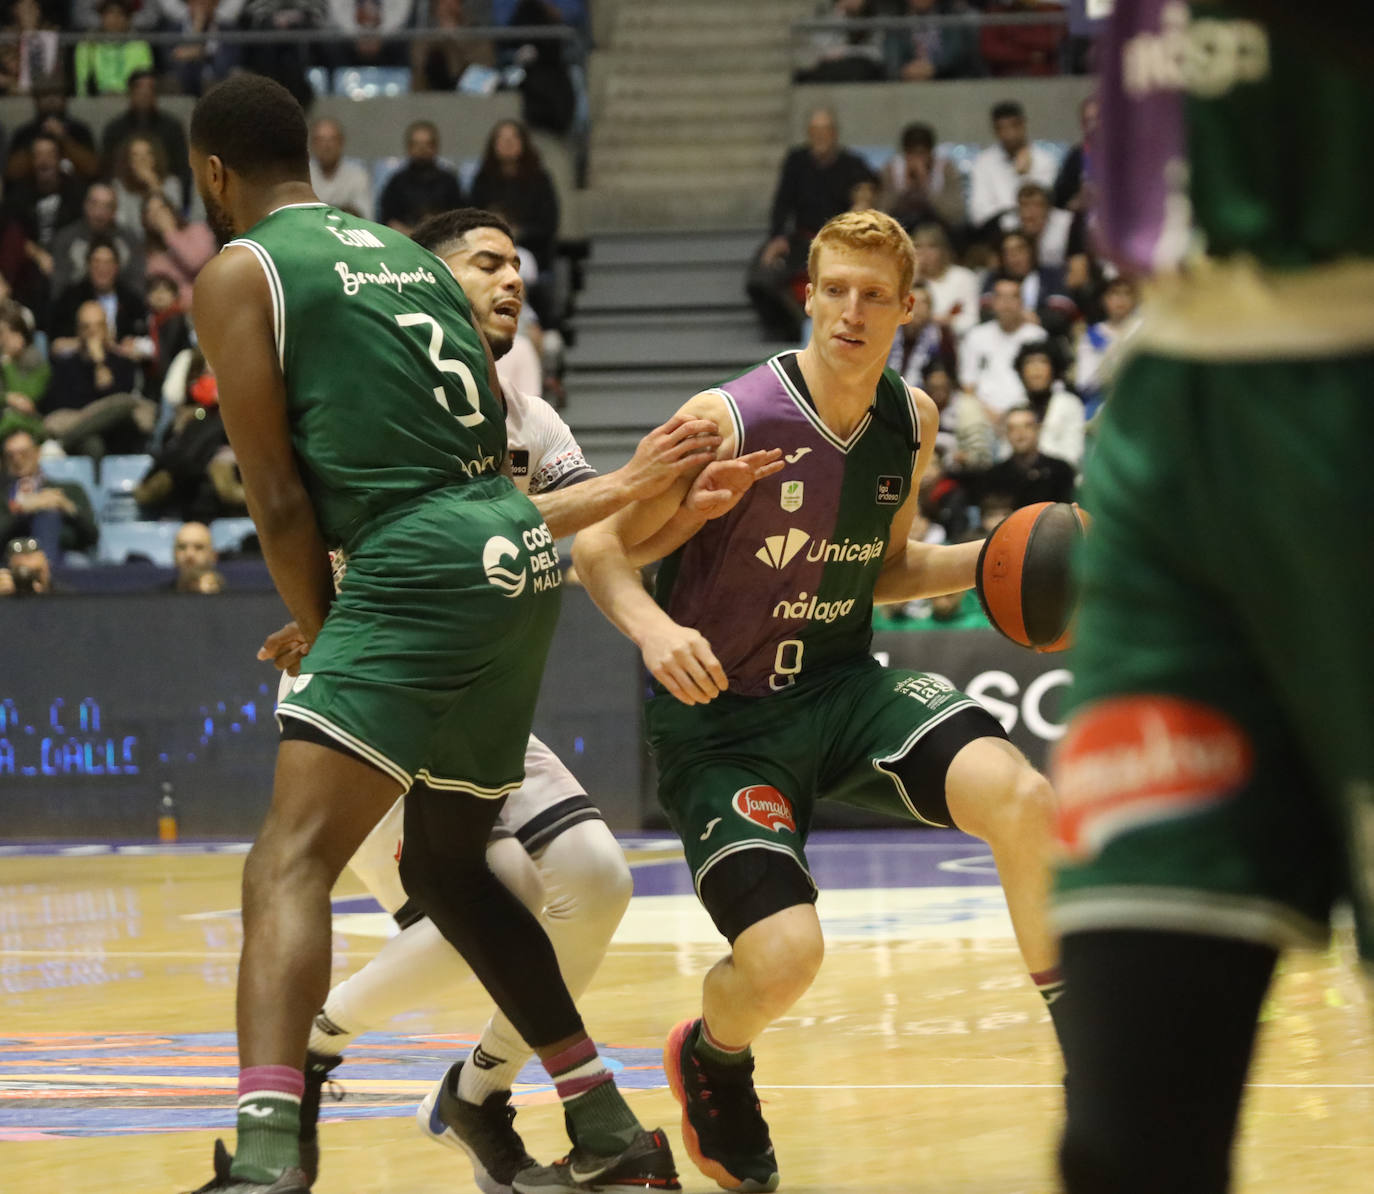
(661,317)
(689,113)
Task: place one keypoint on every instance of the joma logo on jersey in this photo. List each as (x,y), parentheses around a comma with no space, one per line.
(778,550)
(810,609)
(889,491)
(359,238)
(354,282)
(765,806)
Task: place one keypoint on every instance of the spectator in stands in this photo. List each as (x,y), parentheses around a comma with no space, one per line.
(918,187)
(141,170)
(547,98)
(1054,232)
(843,55)
(43,202)
(1059,409)
(1028,475)
(27,572)
(74,138)
(987,357)
(966,439)
(1023,49)
(422,187)
(943,501)
(35,55)
(1043,293)
(169,329)
(143,116)
(184,479)
(193,550)
(1119,298)
(122,305)
(814,185)
(1072,179)
(91,405)
(922,342)
(55,513)
(1000,169)
(437,62)
(339,181)
(198,65)
(105,67)
(953,288)
(25,371)
(363,20)
(199,580)
(920,53)
(513,183)
(72,244)
(176,247)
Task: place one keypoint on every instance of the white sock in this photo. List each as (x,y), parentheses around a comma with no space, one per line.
(493,1064)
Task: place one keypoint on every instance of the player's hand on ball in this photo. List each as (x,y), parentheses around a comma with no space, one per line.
(285,648)
(720,485)
(682,661)
(679,446)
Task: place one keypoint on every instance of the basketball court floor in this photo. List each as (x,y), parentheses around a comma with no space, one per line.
(922,1060)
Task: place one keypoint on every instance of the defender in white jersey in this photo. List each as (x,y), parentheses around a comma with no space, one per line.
(550,845)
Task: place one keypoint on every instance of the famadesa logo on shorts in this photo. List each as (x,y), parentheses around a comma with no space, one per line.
(1137,761)
(765,806)
(540,553)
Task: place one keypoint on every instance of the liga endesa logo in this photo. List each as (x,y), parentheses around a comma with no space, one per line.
(766,806)
(1137,761)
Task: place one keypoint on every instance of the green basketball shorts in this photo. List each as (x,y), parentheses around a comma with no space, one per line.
(1217,776)
(744,773)
(429,663)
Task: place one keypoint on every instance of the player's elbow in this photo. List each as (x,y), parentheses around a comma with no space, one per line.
(279,508)
(591,545)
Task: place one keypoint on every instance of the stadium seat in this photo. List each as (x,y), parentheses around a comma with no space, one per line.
(369,82)
(152,540)
(80,469)
(228,534)
(119,476)
(318,77)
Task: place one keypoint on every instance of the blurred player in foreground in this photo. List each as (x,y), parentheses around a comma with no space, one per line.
(1217,777)
(768,698)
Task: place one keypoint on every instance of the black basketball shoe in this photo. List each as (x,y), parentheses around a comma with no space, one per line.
(484,1131)
(722,1124)
(645,1164)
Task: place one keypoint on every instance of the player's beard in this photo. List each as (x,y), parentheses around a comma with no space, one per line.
(500,344)
(218,219)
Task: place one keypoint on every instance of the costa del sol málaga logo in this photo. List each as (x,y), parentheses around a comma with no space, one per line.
(494,554)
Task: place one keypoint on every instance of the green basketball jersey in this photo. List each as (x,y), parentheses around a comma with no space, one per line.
(782,586)
(386,379)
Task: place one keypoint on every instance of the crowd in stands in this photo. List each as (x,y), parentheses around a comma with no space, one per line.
(1014,315)
(919,53)
(109,414)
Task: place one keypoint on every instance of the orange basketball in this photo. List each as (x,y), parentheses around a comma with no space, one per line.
(1024,581)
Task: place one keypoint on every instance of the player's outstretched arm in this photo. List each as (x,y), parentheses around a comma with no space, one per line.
(912,569)
(233,316)
(681,447)
(679,657)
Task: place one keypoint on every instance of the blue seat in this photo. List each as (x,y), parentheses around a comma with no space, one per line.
(119,477)
(152,540)
(80,469)
(318,77)
(369,82)
(228,534)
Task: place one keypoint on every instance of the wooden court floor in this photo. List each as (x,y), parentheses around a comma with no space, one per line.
(919,1062)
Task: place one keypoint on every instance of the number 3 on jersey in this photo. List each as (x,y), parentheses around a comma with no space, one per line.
(446,365)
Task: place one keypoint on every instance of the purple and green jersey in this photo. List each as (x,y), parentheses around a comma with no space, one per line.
(782,586)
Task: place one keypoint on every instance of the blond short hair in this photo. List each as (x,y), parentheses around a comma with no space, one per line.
(868,232)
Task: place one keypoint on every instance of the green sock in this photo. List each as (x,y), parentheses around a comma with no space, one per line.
(601,1120)
(268,1131)
(715,1054)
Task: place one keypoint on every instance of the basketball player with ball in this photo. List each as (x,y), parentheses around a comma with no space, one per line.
(767,698)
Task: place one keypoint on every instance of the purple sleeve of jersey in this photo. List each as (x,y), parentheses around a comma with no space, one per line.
(1138,155)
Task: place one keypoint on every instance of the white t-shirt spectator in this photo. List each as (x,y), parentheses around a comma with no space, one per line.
(1053,247)
(348,187)
(954,296)
(1061,430)
(994,181)
(986,363)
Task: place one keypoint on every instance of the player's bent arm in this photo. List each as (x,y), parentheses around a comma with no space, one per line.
(232,311)
(913,569)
